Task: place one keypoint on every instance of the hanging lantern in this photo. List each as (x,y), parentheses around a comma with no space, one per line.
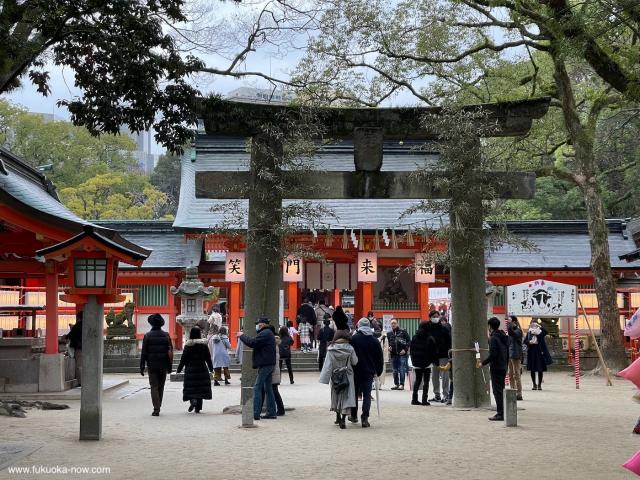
(385,237)
(354,239)
(345,240)
(314,235)
(376,242)
(328,239)
(394,240)
(361,241)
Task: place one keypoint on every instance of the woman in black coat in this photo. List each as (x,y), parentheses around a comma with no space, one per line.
(538,356)
(325,338)
(196,360)
(286,343)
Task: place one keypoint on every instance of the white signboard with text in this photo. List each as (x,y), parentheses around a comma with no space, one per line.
(367,267)
(541,298)
(234,267)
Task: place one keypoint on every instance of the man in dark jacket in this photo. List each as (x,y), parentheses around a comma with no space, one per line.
(263,360)
(515,354)
(75,342)
(442,336)
(423,353)
(399,341)
(157,353)
(497,360)
(370,364)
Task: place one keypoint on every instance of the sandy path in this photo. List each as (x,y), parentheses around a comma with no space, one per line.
(563,433)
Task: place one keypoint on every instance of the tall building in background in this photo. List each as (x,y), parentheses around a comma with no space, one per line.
(260,95)
(146,160)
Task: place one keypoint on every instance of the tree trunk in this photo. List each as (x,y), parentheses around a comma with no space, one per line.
(611,334)
(582,140)
(263,273)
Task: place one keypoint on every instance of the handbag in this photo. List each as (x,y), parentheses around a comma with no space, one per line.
(340,378)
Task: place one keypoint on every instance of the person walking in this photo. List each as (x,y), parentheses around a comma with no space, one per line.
(157,357)
(443,342)
(538,356)
(264,361)
(497,360)
(304,330)
(286,343)
(219,346)
(324,338)
(340,319)
(424,353)
(276,377)
(341,358)
(321,312)
(75,343)
(515,355)
(370,362)
(399,341)
(216,317)
(197,364)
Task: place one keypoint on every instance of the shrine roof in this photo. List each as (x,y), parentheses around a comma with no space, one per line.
(170,249)
(218,153)
(30,191)
(561,244)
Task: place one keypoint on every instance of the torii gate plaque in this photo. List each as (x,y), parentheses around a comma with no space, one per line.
(368,128)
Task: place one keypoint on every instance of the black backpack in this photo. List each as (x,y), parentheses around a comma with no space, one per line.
(340,378)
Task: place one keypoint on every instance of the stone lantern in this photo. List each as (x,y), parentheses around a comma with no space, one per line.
(192,293)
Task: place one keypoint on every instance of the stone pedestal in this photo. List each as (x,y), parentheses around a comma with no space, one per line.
(51,377)
(120,347)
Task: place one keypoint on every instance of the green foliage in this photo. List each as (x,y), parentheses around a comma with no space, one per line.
(74,154)
(128,68)
(166,178)
(122,196)
(96,176)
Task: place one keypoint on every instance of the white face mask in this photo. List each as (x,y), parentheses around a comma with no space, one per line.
(257,328)
(435,319)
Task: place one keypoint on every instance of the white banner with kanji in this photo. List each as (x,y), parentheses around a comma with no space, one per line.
(367,267)
(234,267)
(425,271)
(292,269)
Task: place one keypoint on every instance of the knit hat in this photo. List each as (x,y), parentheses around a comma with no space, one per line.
(364,322)
(155,320)
(364,326)
(340,319)
(262,320)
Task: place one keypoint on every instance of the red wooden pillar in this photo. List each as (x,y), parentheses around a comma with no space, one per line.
(51,299)
(366,301)
(292,296)
(423,299)
(234,312)
(336,297)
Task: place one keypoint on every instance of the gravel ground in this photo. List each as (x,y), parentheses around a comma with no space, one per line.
(562,433)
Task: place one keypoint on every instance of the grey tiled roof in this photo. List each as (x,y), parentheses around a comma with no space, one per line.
(560,245)
(27,186)
(170,249)
(224,153)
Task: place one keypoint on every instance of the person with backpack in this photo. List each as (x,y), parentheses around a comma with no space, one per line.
(424,353)
(337,372)
(497,360)
(370,362)
(286,343)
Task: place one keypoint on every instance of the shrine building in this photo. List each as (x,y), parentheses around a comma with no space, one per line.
(374,231)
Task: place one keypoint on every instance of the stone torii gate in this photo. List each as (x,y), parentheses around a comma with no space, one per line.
(368,128)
